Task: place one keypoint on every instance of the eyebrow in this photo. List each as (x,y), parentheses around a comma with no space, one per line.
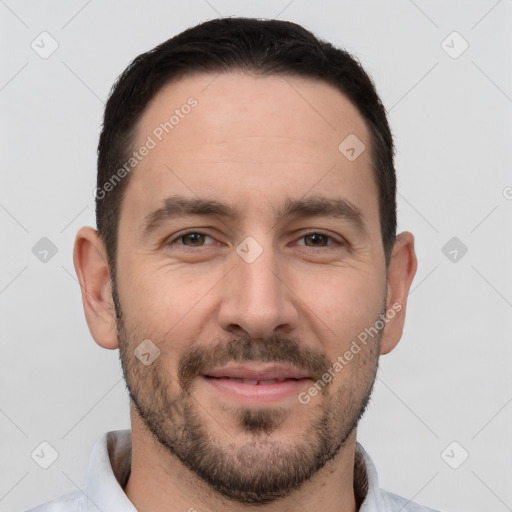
(180,206)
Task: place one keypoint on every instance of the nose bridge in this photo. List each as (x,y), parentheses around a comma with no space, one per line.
(258,300)
(259,279)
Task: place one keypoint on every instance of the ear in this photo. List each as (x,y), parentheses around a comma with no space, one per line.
(90,260)
(401,271)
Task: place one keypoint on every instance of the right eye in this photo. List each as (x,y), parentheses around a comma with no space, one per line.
(189,239)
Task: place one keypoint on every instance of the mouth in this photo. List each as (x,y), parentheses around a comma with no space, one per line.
(250,384)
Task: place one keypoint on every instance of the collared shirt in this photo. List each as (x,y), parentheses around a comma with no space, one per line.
(109,469)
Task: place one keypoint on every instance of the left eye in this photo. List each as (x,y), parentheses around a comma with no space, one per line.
(316,239)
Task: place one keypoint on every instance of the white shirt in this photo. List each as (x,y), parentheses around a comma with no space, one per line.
(109,469)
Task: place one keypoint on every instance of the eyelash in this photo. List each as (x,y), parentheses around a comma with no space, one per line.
(173,241)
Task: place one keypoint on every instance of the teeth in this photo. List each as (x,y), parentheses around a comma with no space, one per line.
(260,382)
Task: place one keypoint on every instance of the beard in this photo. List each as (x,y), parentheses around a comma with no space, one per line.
(252,467)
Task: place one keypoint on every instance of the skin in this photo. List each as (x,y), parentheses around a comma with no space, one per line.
(201,296)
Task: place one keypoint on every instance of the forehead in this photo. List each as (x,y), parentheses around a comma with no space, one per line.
(239,137)
(313,113)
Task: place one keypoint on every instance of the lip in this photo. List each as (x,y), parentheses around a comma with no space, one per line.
(257,384)
(260,373)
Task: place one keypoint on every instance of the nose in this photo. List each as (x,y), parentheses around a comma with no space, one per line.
(258,299)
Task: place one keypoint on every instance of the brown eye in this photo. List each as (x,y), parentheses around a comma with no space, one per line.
(196,239)
(317,240)
(191,239)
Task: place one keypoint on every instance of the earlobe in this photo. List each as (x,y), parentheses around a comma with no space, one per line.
(90,260)
(401,271)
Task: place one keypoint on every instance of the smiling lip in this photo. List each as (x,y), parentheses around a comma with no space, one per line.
(250,384)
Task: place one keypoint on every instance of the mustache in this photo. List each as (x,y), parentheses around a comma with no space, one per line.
(199,360)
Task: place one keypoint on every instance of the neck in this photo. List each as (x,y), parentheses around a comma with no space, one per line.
(160,482)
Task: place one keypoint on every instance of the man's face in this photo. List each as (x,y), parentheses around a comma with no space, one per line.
(249,310)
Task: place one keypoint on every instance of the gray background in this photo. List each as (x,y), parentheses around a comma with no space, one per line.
(448,380)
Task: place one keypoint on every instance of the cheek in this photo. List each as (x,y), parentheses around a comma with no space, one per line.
(165,304)
(346,299)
